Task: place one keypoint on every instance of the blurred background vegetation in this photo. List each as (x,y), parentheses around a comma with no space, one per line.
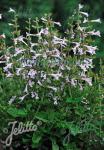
(60,9)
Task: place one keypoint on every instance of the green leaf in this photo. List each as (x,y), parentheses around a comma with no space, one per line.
(54,145)
(36,139)
(73,100)
(14,112)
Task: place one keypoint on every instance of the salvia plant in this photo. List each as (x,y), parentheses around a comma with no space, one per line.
(53,79)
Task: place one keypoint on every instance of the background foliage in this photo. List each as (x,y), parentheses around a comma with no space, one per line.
(61,10)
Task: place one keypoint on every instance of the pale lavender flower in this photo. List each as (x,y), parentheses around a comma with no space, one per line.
(83,67)
(60,41)
(73,82)
(32,73)
(56,53)
(8,66)
(34,95)
(18,51)
(86,64)
(18,70)
(97,33)
(9,74)
(88,80)
(80,51)
(44,31)
(45,42)
(31,83)
(91,49)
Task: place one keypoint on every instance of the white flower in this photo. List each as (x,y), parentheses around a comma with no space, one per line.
(87,63)
(26,89)
(57,23)
(9,75)
(43,19)
(32,94)
(18,51)
(80,6)
(43,75)
(88,80)
(53,88)
(84,13)
(80,51)
(83,67)
(75,47)
(56,53)
(56,76)
(23,97)
(2,36)
(18,71)
(85,20)
(8,67)
(11,10)
(36,56)
(2,62)
(73,82)
(97,33)
(33,44)
(97,20)
(0,16)
(39,83)
(10,24)
(91,49)
(60,41)
(12,100)
(55,100)
(20,39)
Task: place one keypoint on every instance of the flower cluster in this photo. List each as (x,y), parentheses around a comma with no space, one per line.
(42,61)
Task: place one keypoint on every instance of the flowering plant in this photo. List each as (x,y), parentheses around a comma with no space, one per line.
(54,69)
